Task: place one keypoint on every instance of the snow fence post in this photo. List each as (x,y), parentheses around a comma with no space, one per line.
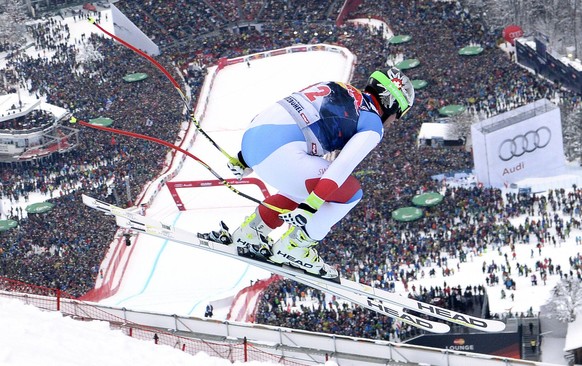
(245,350)
(58,300)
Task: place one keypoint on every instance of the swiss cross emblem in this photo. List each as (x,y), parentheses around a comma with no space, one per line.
(398,82)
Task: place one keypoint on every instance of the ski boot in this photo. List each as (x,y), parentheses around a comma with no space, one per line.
(221,236)
(252,237)
(296,248)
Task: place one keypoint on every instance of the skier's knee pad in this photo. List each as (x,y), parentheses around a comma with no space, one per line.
(348,192)
(271,217)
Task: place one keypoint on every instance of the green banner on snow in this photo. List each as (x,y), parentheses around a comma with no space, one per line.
(101,121)
(427,199)
(419,84)
(7,224)
(40,207)
(401,38)
(138,76)
(452,110)
(408,64)
(407,214)
(470,50)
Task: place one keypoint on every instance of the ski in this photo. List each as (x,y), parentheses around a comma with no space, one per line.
(384,302)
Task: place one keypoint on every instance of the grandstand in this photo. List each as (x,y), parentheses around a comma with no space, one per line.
(31,129)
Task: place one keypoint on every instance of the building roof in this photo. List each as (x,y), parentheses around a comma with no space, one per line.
(437,130)
(574,334)
(16,105)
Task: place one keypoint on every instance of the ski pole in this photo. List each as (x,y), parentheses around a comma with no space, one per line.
(74,120)
(193,119)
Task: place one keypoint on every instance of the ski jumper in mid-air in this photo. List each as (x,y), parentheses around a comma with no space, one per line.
(289,144)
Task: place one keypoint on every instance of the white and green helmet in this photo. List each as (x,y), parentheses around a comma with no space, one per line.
(393,90)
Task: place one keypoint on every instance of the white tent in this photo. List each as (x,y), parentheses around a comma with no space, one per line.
(438,134)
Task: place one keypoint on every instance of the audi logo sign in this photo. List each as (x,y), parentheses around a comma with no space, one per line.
(520,144)
(511,32)
(525,143)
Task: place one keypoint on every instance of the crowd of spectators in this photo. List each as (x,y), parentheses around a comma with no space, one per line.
(33,120)
(293,305)
(49,35)
(5,46)
(64,249)
(196,20)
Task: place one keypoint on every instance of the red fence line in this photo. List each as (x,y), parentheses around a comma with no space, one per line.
(56,300)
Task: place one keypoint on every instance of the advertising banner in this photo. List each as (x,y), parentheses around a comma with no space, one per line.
(523,143)
(127,30)
(533,54)
(498,344)
(511,32)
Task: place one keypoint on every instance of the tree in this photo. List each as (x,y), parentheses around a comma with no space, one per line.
(559,20)
(566,300)
(461,126)
(12,24)
(572,133)
(88,54)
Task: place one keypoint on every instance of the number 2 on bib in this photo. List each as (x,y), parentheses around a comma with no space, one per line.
(315,91)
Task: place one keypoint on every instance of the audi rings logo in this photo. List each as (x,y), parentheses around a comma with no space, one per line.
(526,143)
